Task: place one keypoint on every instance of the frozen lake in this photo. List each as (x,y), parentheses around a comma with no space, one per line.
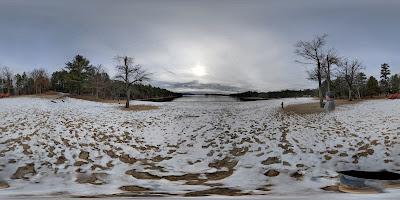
(206,98)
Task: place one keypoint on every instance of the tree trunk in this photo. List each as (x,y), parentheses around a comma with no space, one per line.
(321,98)
(328,77)
(329,84)
(128,93)
(97,93)
(350,97)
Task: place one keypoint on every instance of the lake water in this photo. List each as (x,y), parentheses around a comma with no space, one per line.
(205,98)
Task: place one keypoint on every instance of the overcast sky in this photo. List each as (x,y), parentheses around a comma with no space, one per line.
(202,45)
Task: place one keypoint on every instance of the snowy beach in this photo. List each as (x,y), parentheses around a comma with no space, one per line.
(190,148)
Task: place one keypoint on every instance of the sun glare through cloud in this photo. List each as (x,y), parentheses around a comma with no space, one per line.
(199,70)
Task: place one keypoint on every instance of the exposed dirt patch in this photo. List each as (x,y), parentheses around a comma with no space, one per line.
(190,178)
(312,108)
(331,188)
(139,108)
(117,101)
(84,155)
(265,188)
(95,166)
(80,163)
(133,188)
(46,95)
(327,157)
(127,159)
(217,191)
(95,178)
(239,151)
(23,171)
(111,153)
(297,175)
(347,189)
(93,98)
(271,160)
(226,162)
(185,177)
(27,149)
(60,160)
(271,173)
(219,175)
(3,185)
(142,175)
(159,158)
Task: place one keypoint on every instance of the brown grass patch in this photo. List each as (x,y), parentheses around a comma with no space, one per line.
(140,108)
(216,191)
(46,95)
(306,108)
(93,98)
(116,101)
(133,188)
(3,185)
(311,108)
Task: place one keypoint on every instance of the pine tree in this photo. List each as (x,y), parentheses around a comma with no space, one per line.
(78,70)
(59,81)
(19,83)
(372,86)
(385,72)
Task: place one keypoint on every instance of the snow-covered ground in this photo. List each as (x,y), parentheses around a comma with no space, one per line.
(78,147)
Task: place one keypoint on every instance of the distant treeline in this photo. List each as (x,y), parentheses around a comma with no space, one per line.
(277,94)
(77,77)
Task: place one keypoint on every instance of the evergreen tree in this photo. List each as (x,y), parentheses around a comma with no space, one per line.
(59,81)
(385,72)
(81,78)
(27,84)
(372,86)
(78,73)
(19,84)
(340,87)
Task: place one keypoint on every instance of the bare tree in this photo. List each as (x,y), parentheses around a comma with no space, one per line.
(130,74)
(349,69)
(360,82)
(311,52)
(6,79)
(330,59)
(40,80)
(98,79)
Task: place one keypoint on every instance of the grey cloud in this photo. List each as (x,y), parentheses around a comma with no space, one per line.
(197,86)
(243,44)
